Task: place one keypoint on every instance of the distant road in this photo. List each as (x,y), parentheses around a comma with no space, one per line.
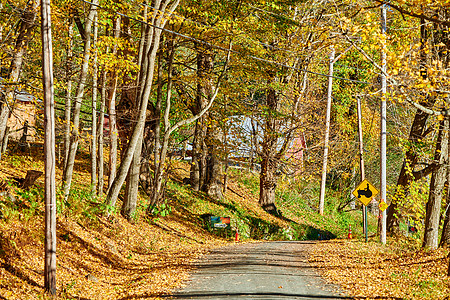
(269,270)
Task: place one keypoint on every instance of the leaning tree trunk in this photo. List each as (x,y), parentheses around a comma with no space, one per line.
(101,120)
(132,181)
(438,178)
(113,133)
(159,19)
(20,49)
(68,104)
(68,170)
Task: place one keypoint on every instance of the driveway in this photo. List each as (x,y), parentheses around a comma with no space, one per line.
(269,270)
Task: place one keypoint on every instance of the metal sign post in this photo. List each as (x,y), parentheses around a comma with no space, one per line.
(364,192)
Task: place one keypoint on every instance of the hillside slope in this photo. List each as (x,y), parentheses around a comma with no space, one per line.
(99,258)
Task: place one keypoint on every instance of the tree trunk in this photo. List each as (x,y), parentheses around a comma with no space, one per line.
(113,132)
(100,135)
(49,150)
(198,159)
(132,181)
(94,113)
(132,184)
(438,178)
(267,183)
(212,185)
(269,164)
(20,49)
(68,171)
(327,133)
(445,237)
(68,104)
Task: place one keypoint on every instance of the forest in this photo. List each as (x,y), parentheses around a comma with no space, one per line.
(311,95)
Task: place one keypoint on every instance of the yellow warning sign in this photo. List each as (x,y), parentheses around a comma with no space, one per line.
(365,191)
(383,205)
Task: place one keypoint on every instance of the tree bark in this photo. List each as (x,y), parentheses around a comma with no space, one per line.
(49,150)
(68,104)
(94,113)
(327,133)
(438,178)
(20,49)
(68,170)
(445,237)
(212,185)
(101,120)
(113,132)
(267,178)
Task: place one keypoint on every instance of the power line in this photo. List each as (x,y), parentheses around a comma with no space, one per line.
(225,49)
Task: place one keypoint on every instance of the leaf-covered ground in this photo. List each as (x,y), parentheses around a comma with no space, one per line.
(372,271)
(99,258)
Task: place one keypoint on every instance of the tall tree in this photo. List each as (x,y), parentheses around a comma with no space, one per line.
(113,132)
(75,134)
(94,110)
(49,149)
(68,103)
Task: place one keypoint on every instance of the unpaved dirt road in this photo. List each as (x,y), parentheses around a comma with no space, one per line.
(269,270)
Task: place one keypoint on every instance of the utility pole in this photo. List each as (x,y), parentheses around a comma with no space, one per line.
(383,128)
(49,150)
(361,163)
(327,133)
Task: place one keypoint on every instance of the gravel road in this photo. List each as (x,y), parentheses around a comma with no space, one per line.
(269,270)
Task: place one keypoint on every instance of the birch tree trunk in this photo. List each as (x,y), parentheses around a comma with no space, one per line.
(94,112)
(438,179)
(327,134)
(20,49)
(68,104)
(101,121)
(68,171)
(49,150)
(132,184)
(113,133)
